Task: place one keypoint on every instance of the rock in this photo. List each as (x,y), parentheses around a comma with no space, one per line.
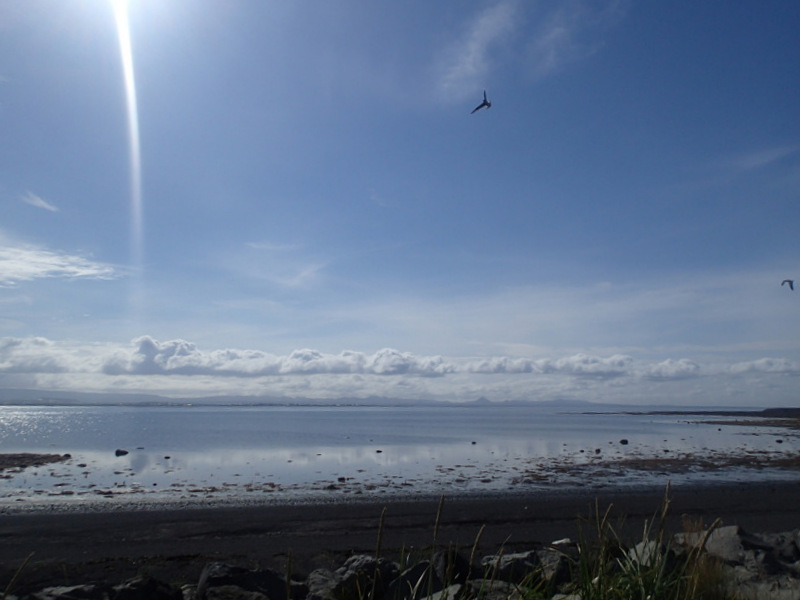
(755,566)
(266,582)
(233,592)
(451,592)
(146,588)
(730,544)
(321,583)
(361,573)
(784,546)
(513,568)
(743,584)
(748,566)
(556,564)
(450,567)
(414,583)
(120,452)
(487,589)
(650,553)
(74,592)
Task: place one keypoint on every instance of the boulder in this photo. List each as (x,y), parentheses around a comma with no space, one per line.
(451,592)
(555,564)
(513,568)
(488,589)
(451,567)
(361,573)
(145,588)
(755,566)
(73,592)
(233,592)
(415,582)
(321,583)
(264,581)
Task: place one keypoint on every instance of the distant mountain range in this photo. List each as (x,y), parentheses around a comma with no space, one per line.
(12,397)
(25,397)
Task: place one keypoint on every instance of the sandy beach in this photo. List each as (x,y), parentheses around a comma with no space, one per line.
(173,545)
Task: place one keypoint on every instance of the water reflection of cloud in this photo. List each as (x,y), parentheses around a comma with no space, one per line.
(471,455)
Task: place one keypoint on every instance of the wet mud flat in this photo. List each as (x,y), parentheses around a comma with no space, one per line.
(61,482)
(12,463)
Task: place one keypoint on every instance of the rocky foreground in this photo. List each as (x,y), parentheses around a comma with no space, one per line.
(748,565)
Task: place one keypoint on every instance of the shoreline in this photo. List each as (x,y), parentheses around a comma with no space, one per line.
(176,544)
(598,474)
(136,473)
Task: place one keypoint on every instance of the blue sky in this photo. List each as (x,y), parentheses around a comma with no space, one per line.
(319,215)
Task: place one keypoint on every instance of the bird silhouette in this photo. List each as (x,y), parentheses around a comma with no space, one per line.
(484,104)
(790,282)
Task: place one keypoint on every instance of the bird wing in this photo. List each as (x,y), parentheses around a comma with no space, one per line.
(483,104)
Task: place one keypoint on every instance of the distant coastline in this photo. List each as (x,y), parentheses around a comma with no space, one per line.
(28,397)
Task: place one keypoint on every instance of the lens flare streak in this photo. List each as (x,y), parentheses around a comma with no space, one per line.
(123,30)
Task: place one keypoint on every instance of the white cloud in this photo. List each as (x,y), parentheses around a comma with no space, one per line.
(282,265)
(468,61)
(568,31)
(32,355)
(555,35)
(581,365)
(179,357)
(179,368)
(673,369)
(24,262)
(37,201)
(38,355)
(761,158)
(767,365)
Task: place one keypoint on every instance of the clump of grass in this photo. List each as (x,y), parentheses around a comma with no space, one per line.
(13,581)
(605,568)
(651,570)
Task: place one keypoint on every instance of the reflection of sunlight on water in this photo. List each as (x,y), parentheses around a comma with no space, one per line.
(18,425)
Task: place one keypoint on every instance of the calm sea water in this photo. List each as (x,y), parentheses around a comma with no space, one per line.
(214,454)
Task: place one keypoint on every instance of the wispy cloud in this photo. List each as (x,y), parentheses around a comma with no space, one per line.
(284,265)
(761,158)
(37,201)
(25,262)
(569,31)
(468,61)
(555,35)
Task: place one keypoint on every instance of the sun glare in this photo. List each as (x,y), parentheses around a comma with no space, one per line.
(123,31)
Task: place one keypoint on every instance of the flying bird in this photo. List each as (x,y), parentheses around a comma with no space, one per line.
(484,104)
(790,282)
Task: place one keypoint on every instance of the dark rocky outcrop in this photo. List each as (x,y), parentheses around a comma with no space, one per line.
(763,566)
(264,582)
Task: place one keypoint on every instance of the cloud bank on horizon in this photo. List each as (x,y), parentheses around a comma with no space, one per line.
(321,217)
(179,368)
